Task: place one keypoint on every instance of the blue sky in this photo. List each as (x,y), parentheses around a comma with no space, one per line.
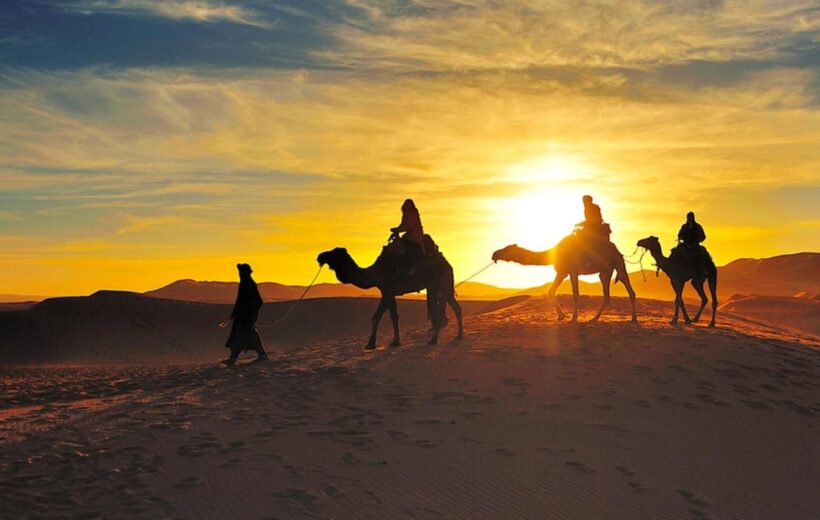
(137,134)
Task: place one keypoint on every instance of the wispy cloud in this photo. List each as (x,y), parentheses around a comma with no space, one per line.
(473,108)
(191,10)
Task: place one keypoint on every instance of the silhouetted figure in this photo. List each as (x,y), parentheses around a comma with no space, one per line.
(691,233)
(410,226)
(592,214)
(593,224)
(244,335)
(681,267)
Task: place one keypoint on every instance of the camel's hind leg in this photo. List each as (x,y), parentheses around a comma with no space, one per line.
(698,285)
(394,317)
(457,310)
(559,277)
(438,316)
(606,278)
(573,278)
(377,317)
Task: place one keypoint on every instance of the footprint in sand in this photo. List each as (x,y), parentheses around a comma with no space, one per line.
(505,452)
(632,482)
(297,496)
(188,482)
(693,499)
(580,467)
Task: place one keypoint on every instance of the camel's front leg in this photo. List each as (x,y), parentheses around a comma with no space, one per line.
(678,287)
(394,317)
(573,278)
(377,317)
(699,288)
(438,321)
(559,277)
(606,278)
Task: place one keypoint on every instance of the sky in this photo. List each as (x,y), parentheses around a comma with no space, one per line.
(144,141)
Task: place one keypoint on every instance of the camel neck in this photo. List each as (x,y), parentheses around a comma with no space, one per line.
(363,277)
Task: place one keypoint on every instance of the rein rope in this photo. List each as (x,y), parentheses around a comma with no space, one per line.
(474,274)
(296,302)
(639,262)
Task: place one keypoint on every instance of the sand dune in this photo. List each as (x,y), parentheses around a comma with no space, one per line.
(123,327)
(526,418)
(801,314)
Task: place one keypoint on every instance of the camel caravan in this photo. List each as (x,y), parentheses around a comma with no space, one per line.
(411,262)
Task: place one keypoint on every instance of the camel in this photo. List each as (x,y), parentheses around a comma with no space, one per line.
(434,274)
(681,269)
(571,258)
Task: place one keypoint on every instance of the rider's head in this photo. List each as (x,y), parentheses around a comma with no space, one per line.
(587,199)
(690,217)
(408,205)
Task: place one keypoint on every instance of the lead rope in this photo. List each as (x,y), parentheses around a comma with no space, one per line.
(474,274)
(281,319)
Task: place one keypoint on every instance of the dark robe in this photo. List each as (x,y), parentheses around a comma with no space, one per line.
(691,234)
(244,335)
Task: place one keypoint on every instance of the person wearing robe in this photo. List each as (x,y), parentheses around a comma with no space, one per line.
(691,233)
(244,335)
(410,225)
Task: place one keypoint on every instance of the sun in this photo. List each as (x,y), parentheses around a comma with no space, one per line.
(549,206)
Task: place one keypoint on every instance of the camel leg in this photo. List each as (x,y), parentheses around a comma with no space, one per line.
(623,276)
(377,317)
(698,285)
(606,278)
(713,290)
(438,317)
(394,317)
(679,305)
(457,310)
(678,287)
(559,277)
(573,278)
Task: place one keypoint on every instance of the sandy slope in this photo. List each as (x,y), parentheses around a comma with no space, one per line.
(800,314)
(526,418)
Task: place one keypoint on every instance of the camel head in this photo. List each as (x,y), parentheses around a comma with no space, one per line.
(338,260)
(509,254)
(650,243)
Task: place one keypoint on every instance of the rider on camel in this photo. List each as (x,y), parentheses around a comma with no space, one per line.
(593,224)
(691,234)
(410,225)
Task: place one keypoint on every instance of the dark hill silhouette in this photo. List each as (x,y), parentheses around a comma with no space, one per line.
(786,275)
(115,327)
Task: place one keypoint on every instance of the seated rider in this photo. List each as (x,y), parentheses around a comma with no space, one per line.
(593,221)
(691,234)
(411,227)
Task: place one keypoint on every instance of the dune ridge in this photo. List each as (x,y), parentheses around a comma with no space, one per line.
(525,418)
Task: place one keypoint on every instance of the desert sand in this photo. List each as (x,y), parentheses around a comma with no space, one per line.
(525,418)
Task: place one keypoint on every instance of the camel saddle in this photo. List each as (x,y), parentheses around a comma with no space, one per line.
(407,255)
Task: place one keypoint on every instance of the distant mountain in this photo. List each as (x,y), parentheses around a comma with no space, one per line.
(786,275)
(225,292)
